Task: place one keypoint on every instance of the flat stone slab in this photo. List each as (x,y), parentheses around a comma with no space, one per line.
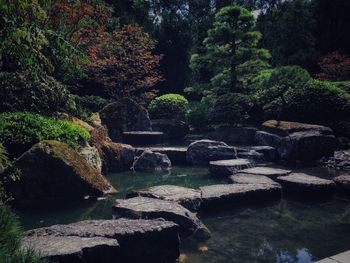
(215,196)
(241,178)
(339,258)
(343,183)
(73,248)
(228,167)
(150,208)
(268,151)
(305,184)
(270,172)
(187,197)
(142,137)
(252,155)
(177,155)
(139,240)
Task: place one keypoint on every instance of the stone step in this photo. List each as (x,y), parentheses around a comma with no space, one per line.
(122,240)
(241,178)
(187,197)
(228,167)
(231,195)
(270,172)
(142,138)
(300,183)
(151,208)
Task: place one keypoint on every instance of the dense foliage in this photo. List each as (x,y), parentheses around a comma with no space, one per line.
(19,131)
(169,106)
(10,239)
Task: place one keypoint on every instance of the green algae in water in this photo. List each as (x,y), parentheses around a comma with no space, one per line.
(285,231)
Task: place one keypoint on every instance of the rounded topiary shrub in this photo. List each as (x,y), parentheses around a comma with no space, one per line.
(19,131)
(168,106)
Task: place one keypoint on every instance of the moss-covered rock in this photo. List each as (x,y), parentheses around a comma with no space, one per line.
(51,169)
(124,115)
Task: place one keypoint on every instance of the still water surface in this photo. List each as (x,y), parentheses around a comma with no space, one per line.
(286,231)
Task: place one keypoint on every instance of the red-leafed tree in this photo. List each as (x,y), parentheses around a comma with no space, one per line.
(335,66)
(123,64)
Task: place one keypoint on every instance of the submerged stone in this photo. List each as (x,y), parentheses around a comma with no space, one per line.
(305,184)
(139,240)
(187,197)
(228,167)
(270,172)
(228,195)
(150,208)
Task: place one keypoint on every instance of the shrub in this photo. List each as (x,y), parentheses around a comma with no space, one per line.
(10,239)
(44,95)
(274,88)
(231,109)
(19,131)
(169,106)
(198,115)
(321,102)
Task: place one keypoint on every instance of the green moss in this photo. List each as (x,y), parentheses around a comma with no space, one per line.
(62,151)
(19,131)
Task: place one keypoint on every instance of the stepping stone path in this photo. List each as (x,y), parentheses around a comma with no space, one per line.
(187,197)
(177,155)
(241,178)
(215,196)
(150,208)
(122,240)
(272,173)
(343,182)
(268,152)
(142,137)
(305,184)
(228,167)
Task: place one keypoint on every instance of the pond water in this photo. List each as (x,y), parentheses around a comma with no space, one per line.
(285,231)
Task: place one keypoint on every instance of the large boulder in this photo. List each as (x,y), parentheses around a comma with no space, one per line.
(116,157)
(109,241)
(172,129)
(241,135)
(187,197)
(151,161)
(124,115)
(151,208)
(203,151)
(177,155)
(52,169)
(285,128)
(298,141)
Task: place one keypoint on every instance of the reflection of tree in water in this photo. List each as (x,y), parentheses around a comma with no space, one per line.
(285,232)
